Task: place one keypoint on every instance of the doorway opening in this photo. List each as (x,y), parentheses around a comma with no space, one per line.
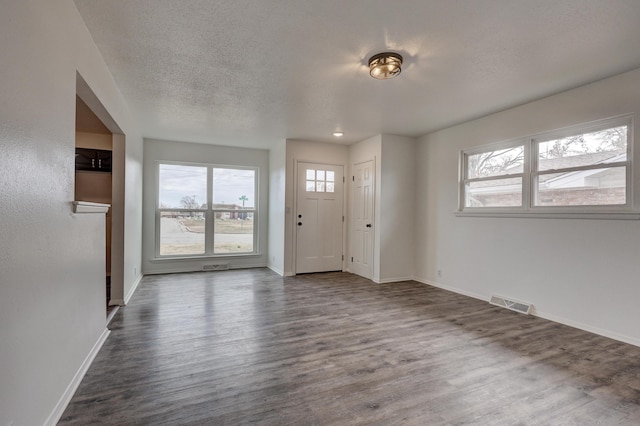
(99,178)
(93,176)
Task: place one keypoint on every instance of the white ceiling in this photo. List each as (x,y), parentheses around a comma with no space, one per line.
(250,72)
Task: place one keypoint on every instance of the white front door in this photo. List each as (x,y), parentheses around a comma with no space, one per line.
(362,181)
(318,218)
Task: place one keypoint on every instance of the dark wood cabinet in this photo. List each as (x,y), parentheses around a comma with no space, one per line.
(95,160)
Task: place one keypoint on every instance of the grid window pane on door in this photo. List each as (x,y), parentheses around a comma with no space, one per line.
(311,180)
(320,180)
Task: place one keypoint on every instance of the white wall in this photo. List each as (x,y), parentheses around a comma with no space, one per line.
(311,152)
(277,190)
(394,203)
(132,214)
(158,150)
(52,305)
(581,272)
(397,208)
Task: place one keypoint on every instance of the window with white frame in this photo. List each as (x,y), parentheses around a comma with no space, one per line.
(494,177)
(578,169)
(206,210)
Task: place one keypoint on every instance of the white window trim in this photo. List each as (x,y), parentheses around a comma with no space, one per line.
(209,213)
(530,172)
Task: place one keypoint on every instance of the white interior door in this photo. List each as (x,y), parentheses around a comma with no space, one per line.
(318,218)
(363,181)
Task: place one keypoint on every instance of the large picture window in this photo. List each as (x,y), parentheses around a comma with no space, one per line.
(579,169)
(206,210)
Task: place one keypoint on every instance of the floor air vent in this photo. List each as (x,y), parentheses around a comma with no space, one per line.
(523,308)
(216,267)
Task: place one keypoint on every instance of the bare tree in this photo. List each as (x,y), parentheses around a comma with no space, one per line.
(613,139)
(495,162)
(189,202)
(564,147)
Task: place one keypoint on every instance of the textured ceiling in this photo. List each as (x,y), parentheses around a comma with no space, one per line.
(250,72)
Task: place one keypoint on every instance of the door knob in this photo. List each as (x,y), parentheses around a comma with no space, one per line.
(368,225)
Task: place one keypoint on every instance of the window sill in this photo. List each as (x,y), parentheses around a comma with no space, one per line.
(553,215)
(204,257)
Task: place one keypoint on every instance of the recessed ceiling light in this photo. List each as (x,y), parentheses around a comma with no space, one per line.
(385,65)
(338,134)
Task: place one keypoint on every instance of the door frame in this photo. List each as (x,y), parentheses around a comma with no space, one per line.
(294,246)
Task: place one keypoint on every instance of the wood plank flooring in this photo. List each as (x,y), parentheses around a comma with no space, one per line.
(250,347)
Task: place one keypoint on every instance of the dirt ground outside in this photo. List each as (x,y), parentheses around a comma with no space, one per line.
(222,226)
(185,236)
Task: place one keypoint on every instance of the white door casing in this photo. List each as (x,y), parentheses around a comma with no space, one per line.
(319,217)
(362,220)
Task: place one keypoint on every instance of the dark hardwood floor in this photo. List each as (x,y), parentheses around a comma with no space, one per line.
(250,347)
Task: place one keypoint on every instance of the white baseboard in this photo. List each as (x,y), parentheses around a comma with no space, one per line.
(394,280)
(132,290)
(58,410)
(545,315)
(591,329)
(452,289)
(112,314)
(276,270)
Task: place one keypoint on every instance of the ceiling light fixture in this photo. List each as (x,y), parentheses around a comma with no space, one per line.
(338,134)
(385,65)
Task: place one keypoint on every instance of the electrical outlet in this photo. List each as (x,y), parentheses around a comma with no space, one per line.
(439,273)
